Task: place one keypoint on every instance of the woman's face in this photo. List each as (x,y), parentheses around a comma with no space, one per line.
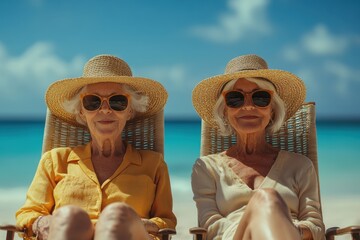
(105,122)
(248,118)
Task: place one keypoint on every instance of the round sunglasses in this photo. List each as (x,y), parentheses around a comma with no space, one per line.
(236,98)
(117,102)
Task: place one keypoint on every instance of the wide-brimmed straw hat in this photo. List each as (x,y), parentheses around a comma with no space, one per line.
(289,87)
(104,68)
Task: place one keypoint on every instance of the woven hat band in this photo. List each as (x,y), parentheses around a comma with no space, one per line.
(105,66)
(248,62)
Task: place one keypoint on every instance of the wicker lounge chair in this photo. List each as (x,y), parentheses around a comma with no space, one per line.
(142,134)
(297,135)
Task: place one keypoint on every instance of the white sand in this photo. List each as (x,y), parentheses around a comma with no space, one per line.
(337,211)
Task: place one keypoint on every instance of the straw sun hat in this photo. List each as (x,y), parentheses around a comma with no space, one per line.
(104,68)
(289,87)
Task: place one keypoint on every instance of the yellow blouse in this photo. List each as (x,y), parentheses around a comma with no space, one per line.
(66,176)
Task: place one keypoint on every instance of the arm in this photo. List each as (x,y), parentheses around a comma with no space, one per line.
(204,189)
(39,198)
(161,211)
(41,226)
(310,219)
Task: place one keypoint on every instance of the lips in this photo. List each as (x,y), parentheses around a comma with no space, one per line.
(249,117)
(106,121)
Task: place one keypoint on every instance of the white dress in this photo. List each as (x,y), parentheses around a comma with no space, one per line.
(221,196)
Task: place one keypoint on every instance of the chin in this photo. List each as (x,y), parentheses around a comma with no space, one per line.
(250,128)
(108,132)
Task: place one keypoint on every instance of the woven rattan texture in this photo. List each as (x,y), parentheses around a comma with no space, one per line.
(298,134)
(145,133)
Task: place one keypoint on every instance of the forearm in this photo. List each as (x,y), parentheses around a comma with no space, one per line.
(161,212)
(150,226)
(41,227)
(309,215)
(305,232)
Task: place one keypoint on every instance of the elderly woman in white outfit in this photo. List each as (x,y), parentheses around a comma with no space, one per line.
(253,190)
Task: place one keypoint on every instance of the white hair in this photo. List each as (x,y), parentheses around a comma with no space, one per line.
(138,103)
(277,104)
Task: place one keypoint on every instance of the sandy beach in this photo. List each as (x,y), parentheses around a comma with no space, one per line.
(337,211)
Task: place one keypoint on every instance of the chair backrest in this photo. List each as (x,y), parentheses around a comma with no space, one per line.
(298,134)
(145,133)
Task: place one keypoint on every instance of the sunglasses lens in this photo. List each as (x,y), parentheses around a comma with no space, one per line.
(118,102)
(91,102)
(261,98)
(234,99)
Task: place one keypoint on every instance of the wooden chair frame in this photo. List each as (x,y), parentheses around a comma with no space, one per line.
(298,134)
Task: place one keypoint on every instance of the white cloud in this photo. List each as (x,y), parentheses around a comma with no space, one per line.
(309,77)
(174,75)
(329,78)
(25,78)
(244,17)
(178,82)
(291,53)
(29,74)
(321,42)
(342,75)
(40,64)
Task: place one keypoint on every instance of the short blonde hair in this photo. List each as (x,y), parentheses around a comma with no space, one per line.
(138,103)
(277,104)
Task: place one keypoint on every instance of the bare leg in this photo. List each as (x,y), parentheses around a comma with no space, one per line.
(70,223)
(266,217)
(119,221)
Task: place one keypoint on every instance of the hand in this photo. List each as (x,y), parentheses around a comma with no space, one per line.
(306,233)
(150,226)
(41,227)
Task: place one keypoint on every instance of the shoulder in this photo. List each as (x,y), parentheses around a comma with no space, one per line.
(150,157)
(149,154)
(295,159)
(210,163)
(211,160)
(59,152)
(63,154)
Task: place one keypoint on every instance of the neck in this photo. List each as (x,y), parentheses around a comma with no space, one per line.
(250,145)
(107,148)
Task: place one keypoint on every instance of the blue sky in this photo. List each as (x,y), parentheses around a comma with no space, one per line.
(180,43)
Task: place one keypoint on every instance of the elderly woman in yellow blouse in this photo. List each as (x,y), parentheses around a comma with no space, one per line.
(125,191)
(253,190)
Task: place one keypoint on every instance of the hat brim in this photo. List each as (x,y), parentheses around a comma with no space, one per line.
(289,87)
(65,89)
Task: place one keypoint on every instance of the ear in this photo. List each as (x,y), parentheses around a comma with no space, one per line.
(226,112)
(82,116)
(130,115)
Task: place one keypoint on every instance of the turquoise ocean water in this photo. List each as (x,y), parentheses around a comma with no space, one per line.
(338,149)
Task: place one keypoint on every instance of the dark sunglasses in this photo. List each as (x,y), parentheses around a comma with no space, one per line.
(236,98)
(117,102)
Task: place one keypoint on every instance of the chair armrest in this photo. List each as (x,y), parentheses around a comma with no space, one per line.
(11,230)
(165,233)
(198,232)
(334,231)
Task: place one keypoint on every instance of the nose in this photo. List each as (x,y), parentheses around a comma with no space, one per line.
(105,107)
(248,103)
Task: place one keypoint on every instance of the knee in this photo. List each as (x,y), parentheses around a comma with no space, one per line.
(118,212)
(119,221)
(267,197)
(72,216)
